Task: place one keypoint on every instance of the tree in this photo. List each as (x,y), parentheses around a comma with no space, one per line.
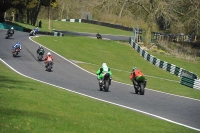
(5,5)
(191,15)
(155,10)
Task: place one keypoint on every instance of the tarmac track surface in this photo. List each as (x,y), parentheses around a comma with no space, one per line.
(104,36)
(179,110)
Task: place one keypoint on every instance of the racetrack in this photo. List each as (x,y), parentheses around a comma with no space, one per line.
(180,110)
(104,36)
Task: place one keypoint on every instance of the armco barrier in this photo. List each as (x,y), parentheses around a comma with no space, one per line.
(18,28)
(58,34)
(7,26)
(190,82)
(196,84)
(71,20)
(173,69)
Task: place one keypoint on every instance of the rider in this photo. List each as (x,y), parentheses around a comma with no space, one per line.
(98,35)
(40,49)
(102,69)
(17,45)
(47,58)
(11,31)
(134,74)
(33,32)
(36,30)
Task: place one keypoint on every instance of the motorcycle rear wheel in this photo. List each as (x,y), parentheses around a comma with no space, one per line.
(6,37)
(40,57)
(49,67)
(106,86)
(141,88)
(14,54)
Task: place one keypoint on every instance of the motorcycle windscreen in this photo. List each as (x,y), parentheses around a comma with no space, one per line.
(140,78)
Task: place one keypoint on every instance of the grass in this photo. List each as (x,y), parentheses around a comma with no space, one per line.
(78,27)
(30,106)
(192,66)
(117,56)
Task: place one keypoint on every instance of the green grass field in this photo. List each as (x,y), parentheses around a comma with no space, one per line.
(30,106)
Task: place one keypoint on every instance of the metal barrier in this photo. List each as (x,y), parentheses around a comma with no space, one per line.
(190,82)
(58,34)
(7,26)
(173,69)
(18,28)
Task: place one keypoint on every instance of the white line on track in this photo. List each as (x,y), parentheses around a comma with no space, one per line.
(94,97)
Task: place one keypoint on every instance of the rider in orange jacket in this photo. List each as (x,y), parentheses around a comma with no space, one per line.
(135,73)
(48,58)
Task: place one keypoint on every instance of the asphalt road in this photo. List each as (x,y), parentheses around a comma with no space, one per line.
(177,109)
(104,36)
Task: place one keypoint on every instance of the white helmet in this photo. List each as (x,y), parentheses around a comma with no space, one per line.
(104,65)
(48,53)
(12,28)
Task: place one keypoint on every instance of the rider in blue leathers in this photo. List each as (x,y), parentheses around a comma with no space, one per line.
(17,45)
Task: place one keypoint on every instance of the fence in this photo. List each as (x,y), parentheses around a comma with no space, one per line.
(58,34)
(71,20)
(173,69)
(7,26)
(192,83)
(18,28)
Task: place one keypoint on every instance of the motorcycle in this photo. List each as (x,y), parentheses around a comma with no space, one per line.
(140,86)
(49,66)
(8,35)
(32,33)
(15,52)
(99,36)
(40,55)
(105,83)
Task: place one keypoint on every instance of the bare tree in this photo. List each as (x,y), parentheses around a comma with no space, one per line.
(192,16)
(122,7)
(155,9)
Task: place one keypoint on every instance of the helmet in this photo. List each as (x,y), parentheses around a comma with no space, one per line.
(48,53)
(12,28)
(40,46)
(104,65)
(134,68)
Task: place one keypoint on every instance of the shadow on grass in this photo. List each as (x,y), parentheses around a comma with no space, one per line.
(23,113)
(13,83)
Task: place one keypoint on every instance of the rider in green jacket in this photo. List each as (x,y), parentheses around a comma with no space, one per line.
(103,69)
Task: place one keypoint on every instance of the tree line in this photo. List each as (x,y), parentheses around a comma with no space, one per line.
(170,16)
